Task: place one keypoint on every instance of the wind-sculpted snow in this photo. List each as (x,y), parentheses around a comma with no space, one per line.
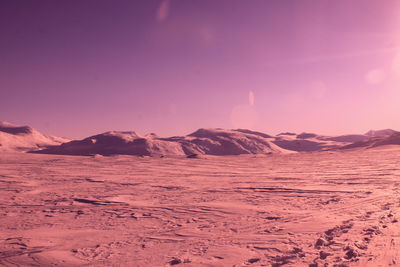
(330,208)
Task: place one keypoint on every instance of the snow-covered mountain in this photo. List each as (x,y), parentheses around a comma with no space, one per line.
(25,138)
(376,141)
(201,142)
(306,142)
(114,142)
(379,133)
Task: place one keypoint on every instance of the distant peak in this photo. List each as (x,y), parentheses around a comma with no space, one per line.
(203,132)
(306,135)
(120,133)
(286,133)
(253,132)
(151,135)
(378,133)
(14,129)
(6,124)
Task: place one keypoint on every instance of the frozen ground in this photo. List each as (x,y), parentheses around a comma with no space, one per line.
(305,209)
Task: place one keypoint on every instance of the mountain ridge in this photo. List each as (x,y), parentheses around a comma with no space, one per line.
(204,141)
(25,138)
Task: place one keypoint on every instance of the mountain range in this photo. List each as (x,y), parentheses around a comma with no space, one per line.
(201,142)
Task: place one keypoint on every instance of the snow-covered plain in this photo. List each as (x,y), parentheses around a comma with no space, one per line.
(292,209)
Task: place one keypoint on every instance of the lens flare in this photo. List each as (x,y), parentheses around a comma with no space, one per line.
(163,11)
(251,98)
(396,63)
(375,76)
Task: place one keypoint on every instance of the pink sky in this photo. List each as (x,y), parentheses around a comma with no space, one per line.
(76,68)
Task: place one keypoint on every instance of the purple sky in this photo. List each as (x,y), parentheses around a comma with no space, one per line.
(78,67)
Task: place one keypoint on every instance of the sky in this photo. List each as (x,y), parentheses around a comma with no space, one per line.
(75,68)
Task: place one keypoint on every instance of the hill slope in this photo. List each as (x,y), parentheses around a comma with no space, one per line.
(211,142)
(112,143)
(24,138)
(393,139)
(203,141)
